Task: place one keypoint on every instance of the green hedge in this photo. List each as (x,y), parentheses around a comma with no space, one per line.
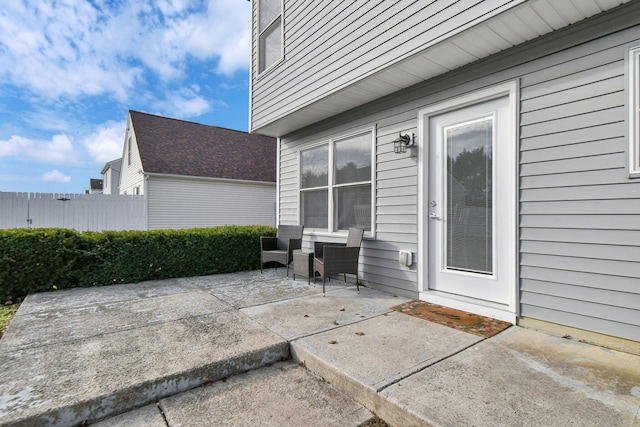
(38,260)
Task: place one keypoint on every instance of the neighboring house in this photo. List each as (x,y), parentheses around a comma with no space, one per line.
(111,177)
(95,186)
(521,197)
(194,175)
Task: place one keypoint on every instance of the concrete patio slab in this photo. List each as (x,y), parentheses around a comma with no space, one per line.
(87,354)
(525,378)
(240,278)
(380,351)
(147,416)
(363,358)
(67,383)
(82,297)
(284,394)
(40,328)
(254,288)
(299,317)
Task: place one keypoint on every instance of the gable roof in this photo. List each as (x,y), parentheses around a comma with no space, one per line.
(177,147)
(115,164)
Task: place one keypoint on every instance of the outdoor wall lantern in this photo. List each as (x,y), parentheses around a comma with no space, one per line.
(402,142)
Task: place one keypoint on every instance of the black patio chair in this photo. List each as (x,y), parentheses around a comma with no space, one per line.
(336,258)
(280,248)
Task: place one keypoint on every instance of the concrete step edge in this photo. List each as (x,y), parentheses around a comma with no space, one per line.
(357,390)
(138,395)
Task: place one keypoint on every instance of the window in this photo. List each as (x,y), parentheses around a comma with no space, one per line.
(314,187)
(129,152)
(270,30)
(634,112)
(336,184)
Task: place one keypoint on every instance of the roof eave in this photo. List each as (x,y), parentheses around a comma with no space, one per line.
(422,66)
(208,178)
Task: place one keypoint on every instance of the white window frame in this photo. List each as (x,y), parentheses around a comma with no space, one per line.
(330,143)
(634,111)
(261,34)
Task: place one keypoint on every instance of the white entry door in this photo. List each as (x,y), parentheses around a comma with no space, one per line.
(470,202)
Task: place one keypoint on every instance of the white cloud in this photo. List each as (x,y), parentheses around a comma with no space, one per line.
(170,7)
(48,47)
(105,143)
(186,103)
(223,32)
(73,48)
(191,107)
(56,176)
(48,119)
(58,150)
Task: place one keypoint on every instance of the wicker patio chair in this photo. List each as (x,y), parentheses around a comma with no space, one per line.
(336,258)
(280,248)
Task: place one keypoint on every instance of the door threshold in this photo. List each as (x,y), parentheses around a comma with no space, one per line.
(482,308)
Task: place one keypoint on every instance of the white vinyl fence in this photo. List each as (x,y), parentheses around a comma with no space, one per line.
(82,212)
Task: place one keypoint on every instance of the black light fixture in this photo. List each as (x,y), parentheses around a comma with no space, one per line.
(402,142)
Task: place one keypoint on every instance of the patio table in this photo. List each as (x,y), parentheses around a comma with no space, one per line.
(303,264)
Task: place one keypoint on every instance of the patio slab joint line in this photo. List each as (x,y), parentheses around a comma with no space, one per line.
(310,334)
(430,365)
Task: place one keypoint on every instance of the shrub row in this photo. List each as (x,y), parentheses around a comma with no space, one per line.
(38,260)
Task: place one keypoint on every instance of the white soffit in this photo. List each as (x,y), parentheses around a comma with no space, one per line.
(517,25)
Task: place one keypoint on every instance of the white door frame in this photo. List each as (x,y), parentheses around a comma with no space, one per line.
(505,312)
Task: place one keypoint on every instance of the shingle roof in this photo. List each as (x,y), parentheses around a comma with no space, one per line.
(177,147)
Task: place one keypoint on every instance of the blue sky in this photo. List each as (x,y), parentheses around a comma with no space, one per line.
(71,69)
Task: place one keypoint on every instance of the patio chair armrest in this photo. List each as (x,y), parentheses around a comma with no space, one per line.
(268,243)
(318,247)
(343,254)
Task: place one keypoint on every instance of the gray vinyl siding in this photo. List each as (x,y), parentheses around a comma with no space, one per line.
(395,209)
(579,212)
(187,203)
(350,40)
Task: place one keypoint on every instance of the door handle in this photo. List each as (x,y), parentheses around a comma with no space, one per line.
(433,215)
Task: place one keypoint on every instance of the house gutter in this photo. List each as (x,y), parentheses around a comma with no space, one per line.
(145,192)
(207,178)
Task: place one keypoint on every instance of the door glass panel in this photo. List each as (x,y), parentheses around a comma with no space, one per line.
(469,196)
